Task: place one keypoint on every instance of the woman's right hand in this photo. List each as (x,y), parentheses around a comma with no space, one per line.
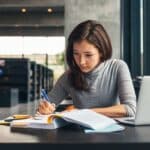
(45,107)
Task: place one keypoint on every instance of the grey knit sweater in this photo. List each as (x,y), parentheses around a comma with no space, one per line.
(110,84)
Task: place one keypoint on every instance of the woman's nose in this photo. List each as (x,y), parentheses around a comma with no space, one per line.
(82,60)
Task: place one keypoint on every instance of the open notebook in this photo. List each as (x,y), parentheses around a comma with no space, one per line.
(143,105)
(84,117)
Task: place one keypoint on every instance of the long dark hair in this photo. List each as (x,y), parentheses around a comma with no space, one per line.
(94,33)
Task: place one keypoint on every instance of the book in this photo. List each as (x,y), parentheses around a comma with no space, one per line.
(40,122)
(83,117)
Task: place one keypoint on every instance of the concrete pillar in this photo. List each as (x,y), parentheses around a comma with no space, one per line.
(105,11)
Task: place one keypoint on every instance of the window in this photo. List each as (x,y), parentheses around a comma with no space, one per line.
(44,50)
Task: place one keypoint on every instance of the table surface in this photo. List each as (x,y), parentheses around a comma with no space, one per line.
(74,134)
(71,134)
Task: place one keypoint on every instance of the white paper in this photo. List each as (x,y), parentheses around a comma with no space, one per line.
(88,118)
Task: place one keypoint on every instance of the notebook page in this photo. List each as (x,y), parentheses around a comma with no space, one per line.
(88,118)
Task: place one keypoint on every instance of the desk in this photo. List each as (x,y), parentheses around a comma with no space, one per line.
(74,135)
(71,136)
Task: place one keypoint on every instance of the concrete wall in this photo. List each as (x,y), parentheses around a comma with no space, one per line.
(106,11)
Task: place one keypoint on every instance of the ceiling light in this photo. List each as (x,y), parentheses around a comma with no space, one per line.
(49,10)
(23,10)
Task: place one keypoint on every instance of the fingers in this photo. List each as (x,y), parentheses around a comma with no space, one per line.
(45,107)
(37,113)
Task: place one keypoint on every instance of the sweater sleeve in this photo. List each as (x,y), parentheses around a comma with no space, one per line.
(59,92)
(126,90)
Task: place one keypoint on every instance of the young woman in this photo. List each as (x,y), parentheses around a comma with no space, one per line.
(93,80)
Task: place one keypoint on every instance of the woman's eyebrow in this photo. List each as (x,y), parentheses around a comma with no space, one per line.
(86,51)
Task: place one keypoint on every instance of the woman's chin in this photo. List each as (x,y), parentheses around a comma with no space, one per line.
(85,70)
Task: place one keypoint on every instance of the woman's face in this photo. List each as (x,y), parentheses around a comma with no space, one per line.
(86,55)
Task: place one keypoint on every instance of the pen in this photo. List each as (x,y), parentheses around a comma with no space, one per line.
(44,95)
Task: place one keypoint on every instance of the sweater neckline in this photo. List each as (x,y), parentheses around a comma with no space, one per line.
(95,71)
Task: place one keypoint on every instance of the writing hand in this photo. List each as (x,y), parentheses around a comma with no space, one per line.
(45,107)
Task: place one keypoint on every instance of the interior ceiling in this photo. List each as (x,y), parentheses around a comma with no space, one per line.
(35,21)
(39,9)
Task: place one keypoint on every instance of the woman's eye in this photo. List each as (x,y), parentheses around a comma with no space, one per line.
(85,55)
(89,55)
